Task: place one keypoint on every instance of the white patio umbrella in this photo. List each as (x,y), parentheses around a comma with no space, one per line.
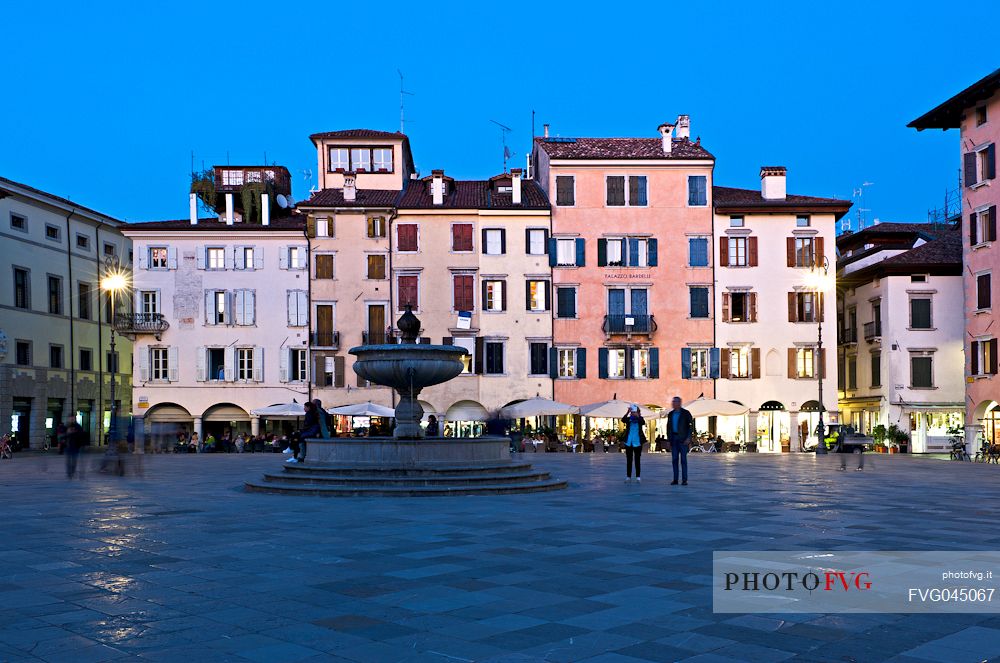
(537,407)
(366,409)
(613,409)
(713,407)
(281,411)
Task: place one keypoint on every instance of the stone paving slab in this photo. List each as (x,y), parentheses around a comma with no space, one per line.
(181,565)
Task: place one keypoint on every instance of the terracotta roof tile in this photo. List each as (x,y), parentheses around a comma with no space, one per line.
(724,196)
(363,198)
(945,249)
(357,133)
(295,222)
(475,194)
(620,148)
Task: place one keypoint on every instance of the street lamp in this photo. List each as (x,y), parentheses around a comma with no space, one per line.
(816,280)
(113,282)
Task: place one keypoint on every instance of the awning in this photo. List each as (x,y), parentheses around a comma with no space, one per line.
(614,409)
(712,407)
(466,411)
(226,413)
(281,411)
(772,405)
(366,409)
(537,407)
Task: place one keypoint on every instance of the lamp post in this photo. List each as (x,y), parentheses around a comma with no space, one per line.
(113,282)
(818,281)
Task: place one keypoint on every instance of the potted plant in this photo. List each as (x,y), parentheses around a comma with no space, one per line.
(879,437)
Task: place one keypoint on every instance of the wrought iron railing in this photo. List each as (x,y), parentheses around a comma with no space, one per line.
(326,339)
(140,323)
(629,324)
(873,330)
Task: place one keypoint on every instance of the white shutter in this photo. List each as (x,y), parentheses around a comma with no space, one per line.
(251,307)
(227,258)
(143,258)
(292,315)
(283,258)
(238,296)
(229,359)
(144,365)
(209,307)
(283,365)
(137,298)
(258,257)
(173,364)
(157,308)
(200,257)
(308,370)
(304,257)
(258,364)
(239,259)
(200,364)
(171,258)
(302,308)
(227,315)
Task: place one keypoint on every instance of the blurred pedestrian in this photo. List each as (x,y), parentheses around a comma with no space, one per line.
(76,439)
(680,431)
(432,427)
(635,437)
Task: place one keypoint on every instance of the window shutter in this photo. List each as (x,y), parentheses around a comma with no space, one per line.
(820,302)
(992,223)
(238,297)
(319,370)
(752,251)
(142,259)
(227,258)
(686,363)
(199,255)
(725,307)
(283,258)
(227,314)
(290,303)
(302,308)
(723,252)
(651,258)
(480,346)
(553,248)
(209,307)
(974,356)
(973,240)
(258,257)
(310,226)
(482,284)
(338,372)
(228,363)
(548,296)
(553,363)
(821,361)
(792,373)
(258,364)
(992,345)
(503,295)
(602,363)
(753,306)
(602,252)
(283,365)
(304,254)
(970,168)
(654,363)
(633,251)
(482,244)
(527,295)
(239,260)
(991,161)
(790,251)
(714,359)
(503,241)
(527,241)
(251,306)
(581,362)
(818,258)
(172,363)
(792,312)
(724,363)
(201,369)
(755,363)
(144,365)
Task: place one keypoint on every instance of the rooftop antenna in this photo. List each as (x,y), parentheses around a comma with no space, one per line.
(402,93)
(860,210)
(504,130)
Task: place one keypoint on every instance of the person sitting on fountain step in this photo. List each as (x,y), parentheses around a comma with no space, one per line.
(311,429)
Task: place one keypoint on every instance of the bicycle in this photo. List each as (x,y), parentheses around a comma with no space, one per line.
(958,450)
(5,450)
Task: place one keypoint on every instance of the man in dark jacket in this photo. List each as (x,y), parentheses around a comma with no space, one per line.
(76,439)
(680,432)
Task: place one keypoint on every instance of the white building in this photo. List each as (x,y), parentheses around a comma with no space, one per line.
(901,351)
(221,323)
(54,324)
(770,248)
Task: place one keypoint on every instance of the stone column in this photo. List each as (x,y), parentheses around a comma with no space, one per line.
(793,431)
(197,429)
(972,433)
(254,425)
(39,410)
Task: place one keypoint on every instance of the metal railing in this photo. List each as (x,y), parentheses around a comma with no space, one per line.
(326,339)
(140,323)
(232,178)
(873,330)
(629,324)
(847,336)
(378,337)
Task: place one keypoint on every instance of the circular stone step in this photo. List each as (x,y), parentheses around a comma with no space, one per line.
(404,491)
(378,479)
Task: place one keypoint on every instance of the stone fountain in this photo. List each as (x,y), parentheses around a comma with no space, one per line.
(408,463)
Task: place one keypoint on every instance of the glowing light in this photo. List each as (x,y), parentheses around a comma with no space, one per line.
(817,280)
(114,282)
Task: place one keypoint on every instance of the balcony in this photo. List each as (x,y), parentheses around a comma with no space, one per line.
(873,331)
(378,338)
(847,336)
(141,323)
(629,324)
(230,179)
(325,340)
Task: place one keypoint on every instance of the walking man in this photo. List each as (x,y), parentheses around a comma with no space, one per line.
(680,432)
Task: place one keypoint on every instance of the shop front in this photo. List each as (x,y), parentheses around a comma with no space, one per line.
(932,427)
(773,428)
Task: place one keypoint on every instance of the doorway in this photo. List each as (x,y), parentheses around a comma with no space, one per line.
(376,324)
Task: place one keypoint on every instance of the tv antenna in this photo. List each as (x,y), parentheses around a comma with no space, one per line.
(860,210)
(507,154)
(402,94)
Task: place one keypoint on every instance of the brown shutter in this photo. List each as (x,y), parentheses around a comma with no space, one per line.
(753,306)
(973,240)
(480,354)
(791,363)
(503,295)
(821,360)
(992,223)
(311,226)
(792,317)
(483,283)
(993,356)
(820,303)
(725,307)
(338,372)
(723,252)
(790,251)
(970,168)
(318,376)
(752,251)
(755,363)
(819,251)
(724,363)
(974,356)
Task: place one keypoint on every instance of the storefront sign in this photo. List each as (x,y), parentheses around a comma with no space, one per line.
(143,402)
(628,276)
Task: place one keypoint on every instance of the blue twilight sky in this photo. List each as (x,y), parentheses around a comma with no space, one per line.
(105,101)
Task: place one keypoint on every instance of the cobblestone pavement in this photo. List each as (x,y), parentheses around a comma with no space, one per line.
(181,565)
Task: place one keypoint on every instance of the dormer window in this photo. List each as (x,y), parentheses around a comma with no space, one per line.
(382,159)
(339,159)
(361,159)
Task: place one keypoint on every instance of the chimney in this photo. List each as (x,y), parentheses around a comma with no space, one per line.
(437,186)
(515,185)
(229,209)
(545,130)
(193,205)
(665,133)
(684,126)
(265,209)
(350,187)
(772,182)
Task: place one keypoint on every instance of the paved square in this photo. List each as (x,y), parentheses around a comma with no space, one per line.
(181,565)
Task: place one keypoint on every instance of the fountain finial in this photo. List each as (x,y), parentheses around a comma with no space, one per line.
(409,326)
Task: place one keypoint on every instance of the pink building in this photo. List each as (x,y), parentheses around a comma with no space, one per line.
(975,112)
(630,252)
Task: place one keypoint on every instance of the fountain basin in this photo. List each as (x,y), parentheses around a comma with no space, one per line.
(407,365)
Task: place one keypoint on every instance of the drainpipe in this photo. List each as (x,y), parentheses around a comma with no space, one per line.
(72,343)
(100,342)
(309,298)
(388,229)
